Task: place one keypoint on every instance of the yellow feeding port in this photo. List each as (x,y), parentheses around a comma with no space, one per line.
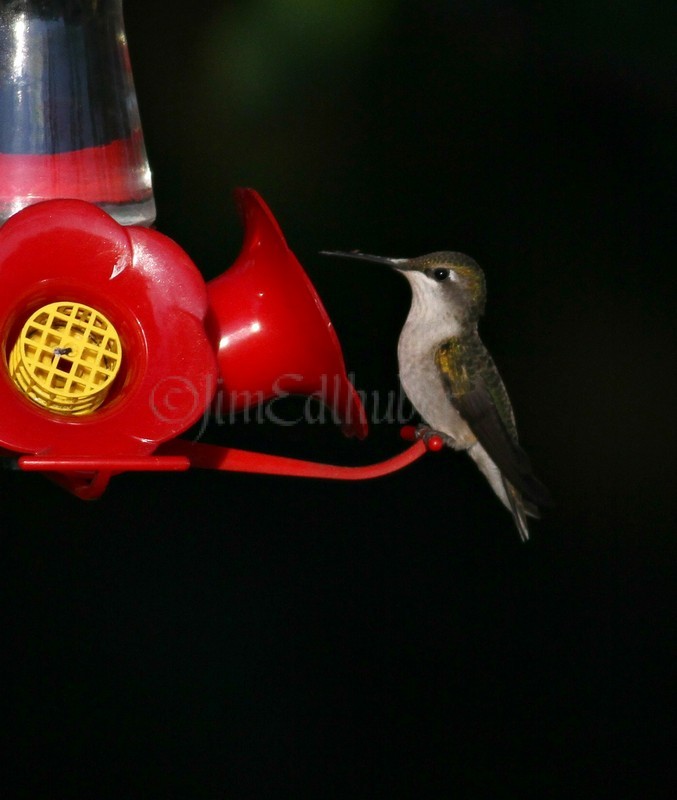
(66,358)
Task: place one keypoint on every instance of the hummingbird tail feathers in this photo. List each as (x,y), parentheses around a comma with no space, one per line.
(531,510)
(511,497)
(519,510)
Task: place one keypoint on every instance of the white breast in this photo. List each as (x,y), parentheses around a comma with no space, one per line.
(423,384)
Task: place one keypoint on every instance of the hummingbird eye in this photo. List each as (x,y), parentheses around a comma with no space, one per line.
(440,274)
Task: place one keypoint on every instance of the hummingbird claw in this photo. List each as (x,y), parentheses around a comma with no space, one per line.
(433,440)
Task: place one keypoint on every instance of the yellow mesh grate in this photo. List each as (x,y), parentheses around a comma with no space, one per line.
(66,358)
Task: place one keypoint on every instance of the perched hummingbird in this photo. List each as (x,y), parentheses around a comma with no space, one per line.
(452,381)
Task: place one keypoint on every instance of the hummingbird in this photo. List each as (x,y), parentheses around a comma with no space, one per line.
(451,380)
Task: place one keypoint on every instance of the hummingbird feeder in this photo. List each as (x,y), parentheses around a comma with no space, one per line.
(113,345)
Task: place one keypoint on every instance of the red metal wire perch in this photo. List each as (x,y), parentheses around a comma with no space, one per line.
(230,459)
(180,455)
(87,477)
(108,464)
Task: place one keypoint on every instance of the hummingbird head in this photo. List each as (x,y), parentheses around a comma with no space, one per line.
(443,284)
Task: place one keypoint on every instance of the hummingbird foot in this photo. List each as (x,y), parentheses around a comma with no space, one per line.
(432,439)
(427,433)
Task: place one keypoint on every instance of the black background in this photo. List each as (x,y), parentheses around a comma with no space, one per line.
(216,635)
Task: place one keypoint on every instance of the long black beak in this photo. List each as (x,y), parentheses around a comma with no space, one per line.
(395,263)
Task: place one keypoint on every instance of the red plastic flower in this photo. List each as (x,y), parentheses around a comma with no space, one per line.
(163,373)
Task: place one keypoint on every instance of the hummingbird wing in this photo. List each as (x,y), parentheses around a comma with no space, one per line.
(476,391)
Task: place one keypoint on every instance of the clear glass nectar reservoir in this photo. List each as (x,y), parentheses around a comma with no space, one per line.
(69,120)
